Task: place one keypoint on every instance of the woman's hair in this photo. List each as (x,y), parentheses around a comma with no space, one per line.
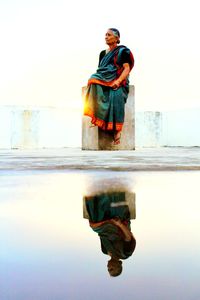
(116,33)
(116,268)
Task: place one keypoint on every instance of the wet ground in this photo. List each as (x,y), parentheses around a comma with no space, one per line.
(145,159)
(48,250)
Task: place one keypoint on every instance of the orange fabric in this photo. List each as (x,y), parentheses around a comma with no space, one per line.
(101,123)
(101,82)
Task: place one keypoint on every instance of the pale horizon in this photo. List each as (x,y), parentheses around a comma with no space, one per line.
(49,49)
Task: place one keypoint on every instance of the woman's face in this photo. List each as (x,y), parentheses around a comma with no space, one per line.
(110,38)
(114,267)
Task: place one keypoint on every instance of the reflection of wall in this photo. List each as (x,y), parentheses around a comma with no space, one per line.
(129,200)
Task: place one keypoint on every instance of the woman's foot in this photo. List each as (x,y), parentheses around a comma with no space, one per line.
(117,137)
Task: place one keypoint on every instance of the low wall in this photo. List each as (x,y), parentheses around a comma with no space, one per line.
(148,129)
(171,128)
(39,127)
(181,128)
(45,127)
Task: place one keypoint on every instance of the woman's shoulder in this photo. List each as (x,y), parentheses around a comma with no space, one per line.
(126,56)
(123,48)
(102,53)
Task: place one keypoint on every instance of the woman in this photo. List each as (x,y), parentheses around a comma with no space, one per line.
(109,216)
(107,89)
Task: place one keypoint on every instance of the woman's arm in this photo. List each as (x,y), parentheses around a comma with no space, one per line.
(123,76)
(124,229)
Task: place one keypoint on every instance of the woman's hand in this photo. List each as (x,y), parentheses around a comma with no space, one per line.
(116,84)
(126,70)
(116,221)
(125,230)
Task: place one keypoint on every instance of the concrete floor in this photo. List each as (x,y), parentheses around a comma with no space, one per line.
(145,159)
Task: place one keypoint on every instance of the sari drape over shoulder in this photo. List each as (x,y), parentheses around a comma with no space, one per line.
(103,104)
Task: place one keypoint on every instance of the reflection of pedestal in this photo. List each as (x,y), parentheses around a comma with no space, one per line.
(129,201)
(96,139)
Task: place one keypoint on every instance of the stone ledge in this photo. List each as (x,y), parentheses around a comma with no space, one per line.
(151,159)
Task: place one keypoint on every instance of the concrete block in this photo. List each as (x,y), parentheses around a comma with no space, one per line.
(90,135)
(94,138)
(129,201)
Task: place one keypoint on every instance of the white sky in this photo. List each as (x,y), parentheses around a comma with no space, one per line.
(49,48)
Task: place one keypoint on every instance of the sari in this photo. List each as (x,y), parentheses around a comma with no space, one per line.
(104,104)
(101,210)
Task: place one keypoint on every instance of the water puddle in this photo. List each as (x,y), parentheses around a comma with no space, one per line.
(93,235)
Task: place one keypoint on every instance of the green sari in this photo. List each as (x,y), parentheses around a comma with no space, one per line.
(101,210)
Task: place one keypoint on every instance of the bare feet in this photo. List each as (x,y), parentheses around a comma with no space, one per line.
(117,137)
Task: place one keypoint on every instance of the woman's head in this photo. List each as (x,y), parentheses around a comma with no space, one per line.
(112,36)
(114,267)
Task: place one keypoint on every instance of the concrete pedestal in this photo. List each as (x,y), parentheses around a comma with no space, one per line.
(94,138)
(129,201)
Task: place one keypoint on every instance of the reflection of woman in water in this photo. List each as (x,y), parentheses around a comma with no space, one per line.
(109,216)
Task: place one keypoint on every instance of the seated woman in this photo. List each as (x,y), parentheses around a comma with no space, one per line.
(108,88)
(109,216)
